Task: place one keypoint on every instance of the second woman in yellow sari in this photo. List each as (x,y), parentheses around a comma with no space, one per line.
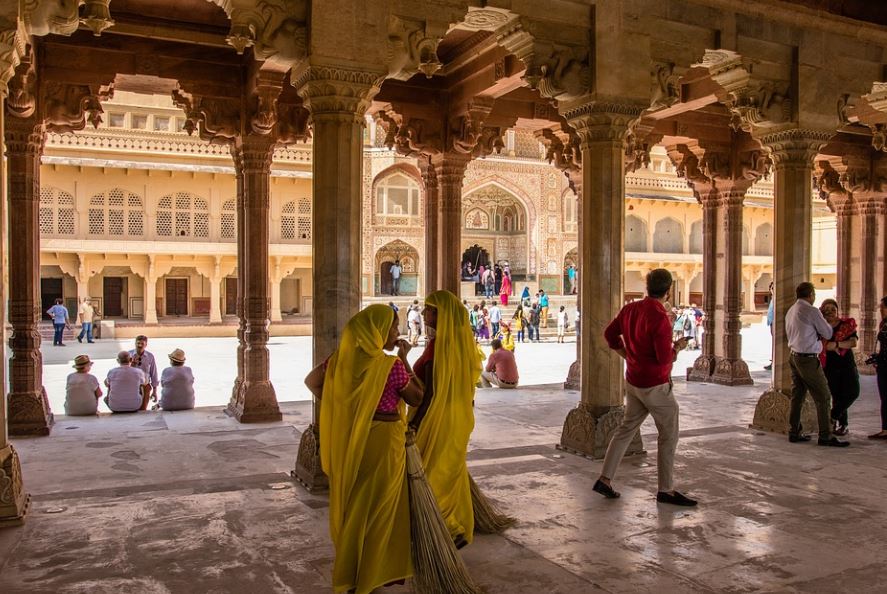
(362,429)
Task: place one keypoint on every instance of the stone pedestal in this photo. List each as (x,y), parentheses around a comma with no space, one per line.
(308,470)
(771,413)
(587,432)
(574,376)
(14,501)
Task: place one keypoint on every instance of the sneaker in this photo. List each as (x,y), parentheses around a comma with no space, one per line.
(675,498)
(797,437)
(833,442)
(840,430)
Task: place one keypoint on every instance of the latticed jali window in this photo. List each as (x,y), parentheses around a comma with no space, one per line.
(56,212)
(295,220)
(228,223)
(116,213)
(182,215)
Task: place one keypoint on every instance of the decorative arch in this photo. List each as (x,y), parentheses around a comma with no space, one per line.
(407,169)
(764,240)
(570,202)
(397,194)
(409,261)
(668,236)
(116,213)
(228,221)
(57,213)
(295,220)
(182,215)
(635,234)
(696,237)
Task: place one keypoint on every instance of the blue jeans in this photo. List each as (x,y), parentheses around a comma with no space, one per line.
(59,334)
(495,328)
(87,330)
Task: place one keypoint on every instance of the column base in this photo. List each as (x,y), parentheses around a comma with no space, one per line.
(587,431)
(574,381)
(771,413)
(29,413)
(703,368)
(14,502)
(308,470)
(731,372)
(860,363)
(256,402)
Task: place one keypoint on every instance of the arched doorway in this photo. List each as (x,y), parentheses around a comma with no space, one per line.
(472,259)
(571,260)
(495,217)
(408,256)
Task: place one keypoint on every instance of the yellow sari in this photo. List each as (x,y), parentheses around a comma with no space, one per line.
(447,425)
(365,460)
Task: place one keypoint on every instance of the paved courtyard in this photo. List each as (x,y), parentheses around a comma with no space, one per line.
(192,501)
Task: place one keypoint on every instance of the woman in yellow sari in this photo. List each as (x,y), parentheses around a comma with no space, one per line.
(450,367)
(362,429)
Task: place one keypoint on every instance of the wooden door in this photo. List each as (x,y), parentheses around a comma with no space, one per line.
(50,290)
(112,292)
(177,296)
(231,296)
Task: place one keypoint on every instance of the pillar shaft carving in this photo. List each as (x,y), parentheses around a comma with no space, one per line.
(236,396)
(432,218)
(871,208)
(792,152)
(449,172)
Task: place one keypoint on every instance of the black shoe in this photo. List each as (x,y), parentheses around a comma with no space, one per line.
(79,339)
(605,490)
(61,344)
(768,367)
(675,499)
(91,341)
(797,437)
(833,442)
(840,430)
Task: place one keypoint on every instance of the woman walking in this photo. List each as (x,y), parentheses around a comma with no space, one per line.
(519,322)
(505,291)
(881,369)
(362,450)
(839,364)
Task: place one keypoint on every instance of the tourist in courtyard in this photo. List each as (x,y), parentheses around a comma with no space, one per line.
(395,277)
(361,391)
(576,324)
(641,334)
(87,314)
(839,364)
(483,322)
(501,370)
(805,328)
(506,337)
(571,276)
(562,322)
(519,322)
(144,360)
(543,308)
(128,386)
(82,390)
(59,315)
(495,318)
(414,323)
(880,362)
(533,322)
(473,320)
(497,274)
(525,297)
(771,317)
(489,283)
(505,290)
(177,384)
(449,367)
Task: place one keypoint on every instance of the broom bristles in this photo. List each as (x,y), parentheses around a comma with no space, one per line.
(438,567)
(487,519)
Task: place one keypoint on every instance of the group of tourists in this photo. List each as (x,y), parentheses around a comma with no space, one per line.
(488,321)
(132,384)
(688,324)
(490,282)
(86,313)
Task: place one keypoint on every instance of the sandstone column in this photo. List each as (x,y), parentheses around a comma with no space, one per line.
(432,233)
(215,292)
(338,99)
(871,210)
(237,156)
(449,172)
(256,401)
(150,292)
(704,364)
(845,210)
(601,132)
(792,152)
(275,291)
(14,505)
(29,412)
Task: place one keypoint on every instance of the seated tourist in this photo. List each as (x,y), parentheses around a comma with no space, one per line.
(128,387)
(501,370)
(177,384)
(82,391)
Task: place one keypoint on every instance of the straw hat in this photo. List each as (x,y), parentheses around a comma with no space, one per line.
(178,356)
(81,361)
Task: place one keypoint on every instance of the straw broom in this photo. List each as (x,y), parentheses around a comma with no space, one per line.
(438,567)
(487,518)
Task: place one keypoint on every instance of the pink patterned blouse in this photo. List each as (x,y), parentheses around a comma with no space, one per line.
(398,379)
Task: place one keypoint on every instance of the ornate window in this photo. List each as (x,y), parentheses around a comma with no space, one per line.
(668,237)
(635,234)
(764,240)
(228,222)
(397,195)
(56,212)
(182,215)
(571,212)
(116,213)
(295,220)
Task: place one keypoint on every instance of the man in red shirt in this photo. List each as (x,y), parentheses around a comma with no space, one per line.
(641,334)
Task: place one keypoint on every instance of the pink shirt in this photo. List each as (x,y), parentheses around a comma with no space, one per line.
(397,381)
(502,363)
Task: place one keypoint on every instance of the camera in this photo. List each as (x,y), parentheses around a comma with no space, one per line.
(872,360)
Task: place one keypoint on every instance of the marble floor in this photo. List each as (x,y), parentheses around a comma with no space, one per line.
(191,502)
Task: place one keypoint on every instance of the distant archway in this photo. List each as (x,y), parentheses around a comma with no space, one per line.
(635,234)
(387,255)
(472,259)
(571,259)
(668,237)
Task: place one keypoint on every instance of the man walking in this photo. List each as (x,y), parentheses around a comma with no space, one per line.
(533,322)
(87,315)
(59,315)
(395,277)
(641,334)
(805,328)
(144,360)
(495,318)
(543,305)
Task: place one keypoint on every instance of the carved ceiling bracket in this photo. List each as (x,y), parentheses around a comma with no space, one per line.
(827,180)
(97,16)
(638,143)
(277,30)
(864,174)
(666,87)
(412,47)
(215,119)
(563,152)
(22,94)
(13,48)
(68,107)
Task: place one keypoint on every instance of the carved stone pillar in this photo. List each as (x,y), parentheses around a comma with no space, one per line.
(150,292)
(338,99)
(730,369)
(449,172)
(29,412)
(601,133)
(215,292)
(14,500)
(432,216)
(792,152)
(845,209)
(871,212)
(256,401)
(704,364)
(237,156)
(574,375)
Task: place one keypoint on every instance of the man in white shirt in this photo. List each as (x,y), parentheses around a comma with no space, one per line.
(495,318)
(395,277)
(414,324)
(805,328)
(144,360)
(87,315)
(128,387)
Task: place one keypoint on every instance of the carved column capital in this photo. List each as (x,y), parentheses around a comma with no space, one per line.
(336,91)
(13,48)
(602,121)
(795,147)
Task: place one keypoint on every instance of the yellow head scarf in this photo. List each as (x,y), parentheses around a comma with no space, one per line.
(446,428)
(355,377)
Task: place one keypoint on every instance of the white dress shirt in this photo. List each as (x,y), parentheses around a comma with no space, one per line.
(805,327)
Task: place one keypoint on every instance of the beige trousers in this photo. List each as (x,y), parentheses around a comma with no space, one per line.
(660,402)
(488,379)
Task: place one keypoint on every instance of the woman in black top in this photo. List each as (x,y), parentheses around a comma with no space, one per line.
(839,364)
(881,368)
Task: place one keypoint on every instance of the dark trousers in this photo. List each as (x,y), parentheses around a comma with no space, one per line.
(844,386)
(882,392)
(59,334)
(807,375)
(495,328)
(533,330)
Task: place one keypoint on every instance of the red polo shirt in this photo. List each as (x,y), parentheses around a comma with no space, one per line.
(643,329)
